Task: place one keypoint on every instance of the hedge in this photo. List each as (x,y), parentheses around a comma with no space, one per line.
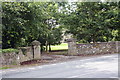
(9,50)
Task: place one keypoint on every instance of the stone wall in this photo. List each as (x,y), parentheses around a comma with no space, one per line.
(103,47)
(93,48)
(25,54)
(9,59)
(16,58)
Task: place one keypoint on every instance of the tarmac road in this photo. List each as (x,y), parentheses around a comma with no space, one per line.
(95,67)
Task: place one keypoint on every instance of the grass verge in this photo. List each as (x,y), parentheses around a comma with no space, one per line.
(4,68)
(8,50)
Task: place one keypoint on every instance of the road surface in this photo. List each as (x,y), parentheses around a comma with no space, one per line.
(95,67)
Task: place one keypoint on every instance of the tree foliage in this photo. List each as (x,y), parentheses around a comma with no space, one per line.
(94,21)
(25,22)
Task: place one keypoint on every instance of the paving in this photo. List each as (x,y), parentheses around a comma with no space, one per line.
(105,66)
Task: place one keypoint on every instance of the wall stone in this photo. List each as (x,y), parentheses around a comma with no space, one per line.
(25,54)
(93,48)
(9,59)
(118,46)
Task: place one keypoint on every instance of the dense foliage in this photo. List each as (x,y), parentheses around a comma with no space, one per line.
(23,22)
(94,21)
(10,50)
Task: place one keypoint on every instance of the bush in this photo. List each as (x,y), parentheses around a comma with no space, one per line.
(8,50)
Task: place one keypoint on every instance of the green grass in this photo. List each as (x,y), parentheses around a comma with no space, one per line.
(4,68)
(62,46)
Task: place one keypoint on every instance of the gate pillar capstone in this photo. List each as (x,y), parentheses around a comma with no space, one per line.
(72,48)
(36,49)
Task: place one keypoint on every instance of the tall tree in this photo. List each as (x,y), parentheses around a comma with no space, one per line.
(24,22)
(93,21)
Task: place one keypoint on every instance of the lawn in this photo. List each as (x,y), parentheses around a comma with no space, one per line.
(62,46)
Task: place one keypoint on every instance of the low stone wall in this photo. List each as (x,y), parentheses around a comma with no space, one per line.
(93,48)
(103,47)
(25,54)
(14,58)
(9,58)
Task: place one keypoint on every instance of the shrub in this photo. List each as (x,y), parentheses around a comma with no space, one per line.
(8,50)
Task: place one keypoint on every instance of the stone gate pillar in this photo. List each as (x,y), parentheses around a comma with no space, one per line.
(36,49)
(72,47)
(118,46)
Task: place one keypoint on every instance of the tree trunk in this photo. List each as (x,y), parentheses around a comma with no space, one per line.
(94,38)
(41,48)
(49,47)
(46,44)
(94,41)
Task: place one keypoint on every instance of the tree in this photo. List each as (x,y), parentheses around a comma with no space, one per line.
(93,21)
(13,23)
(54,32)
(24,22)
